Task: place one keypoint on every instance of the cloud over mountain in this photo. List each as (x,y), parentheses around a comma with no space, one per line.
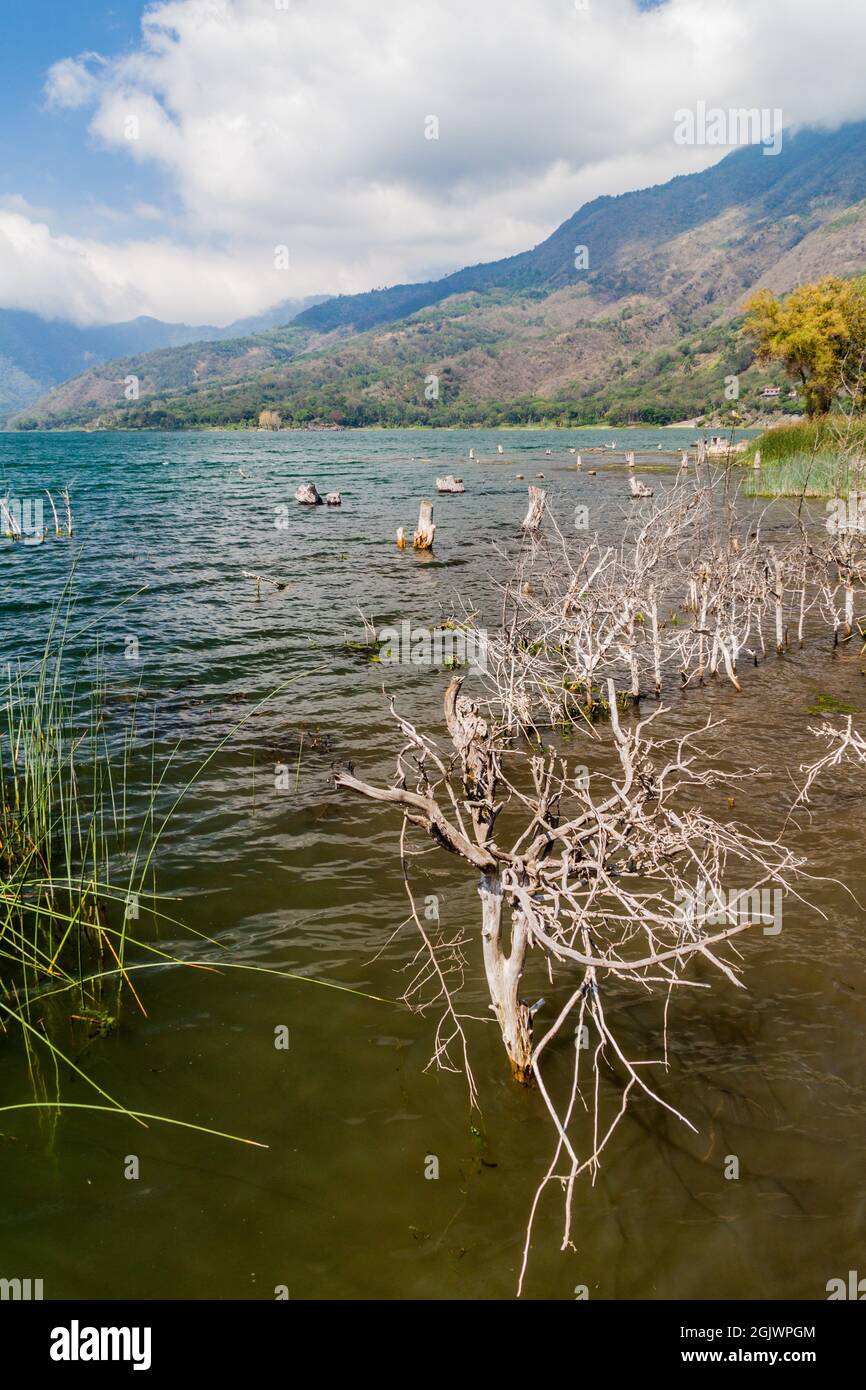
(309,126)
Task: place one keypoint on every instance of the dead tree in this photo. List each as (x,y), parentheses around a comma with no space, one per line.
(425,530)
(598,878)
(592,877)
(68,504)
(638,488)
(535,512)
(841,564)
(844,745)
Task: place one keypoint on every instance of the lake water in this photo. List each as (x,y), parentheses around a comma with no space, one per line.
(305,881)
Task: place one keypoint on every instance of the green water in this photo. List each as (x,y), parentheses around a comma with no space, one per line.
(302,880)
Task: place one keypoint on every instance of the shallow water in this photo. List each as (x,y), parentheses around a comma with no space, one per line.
(308,882)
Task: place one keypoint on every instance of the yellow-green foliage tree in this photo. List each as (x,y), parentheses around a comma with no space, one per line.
(819,334)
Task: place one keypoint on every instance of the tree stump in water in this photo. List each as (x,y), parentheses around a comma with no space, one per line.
(450,484)
(308,496)
(537,503)
(334,499)
(425,530)
(401,538)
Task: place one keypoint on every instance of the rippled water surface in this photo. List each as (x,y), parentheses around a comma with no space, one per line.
(304,881)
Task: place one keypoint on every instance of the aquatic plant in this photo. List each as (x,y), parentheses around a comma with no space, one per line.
(803,475)
(86,798)
(75,873)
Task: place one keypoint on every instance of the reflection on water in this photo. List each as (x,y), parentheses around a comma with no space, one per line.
(302,881)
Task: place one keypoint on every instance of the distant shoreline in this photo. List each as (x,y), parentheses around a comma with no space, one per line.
(402,429)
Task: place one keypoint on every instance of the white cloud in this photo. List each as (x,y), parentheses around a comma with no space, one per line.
(306,126)
(72,82)
(16,202)
(98,282)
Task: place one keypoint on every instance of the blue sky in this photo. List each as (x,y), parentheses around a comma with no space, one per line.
(49,160)
(306,125)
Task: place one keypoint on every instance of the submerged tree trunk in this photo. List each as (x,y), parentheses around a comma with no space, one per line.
(537,503)
(778,597)
(425,530)
(656,640)
(503,977)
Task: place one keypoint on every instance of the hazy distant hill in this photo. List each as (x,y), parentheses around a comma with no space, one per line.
(37,353)
(645,332)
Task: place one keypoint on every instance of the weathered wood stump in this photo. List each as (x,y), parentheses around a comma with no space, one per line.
(450,484)
(333,499)
(537,503)
(639,489)
(308,496)
(425,530)
(401,538)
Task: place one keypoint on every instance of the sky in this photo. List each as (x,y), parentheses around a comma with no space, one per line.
(203,160)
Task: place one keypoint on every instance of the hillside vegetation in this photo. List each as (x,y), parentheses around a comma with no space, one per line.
(647,332)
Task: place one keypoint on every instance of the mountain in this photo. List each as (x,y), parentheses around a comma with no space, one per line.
(37,353)
(646,331)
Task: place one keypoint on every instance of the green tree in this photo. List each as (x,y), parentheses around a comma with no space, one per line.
(818,333)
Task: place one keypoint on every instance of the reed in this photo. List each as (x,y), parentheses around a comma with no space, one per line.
(84,802)
(69,886)
(78,832)
(804,475)
(827,436)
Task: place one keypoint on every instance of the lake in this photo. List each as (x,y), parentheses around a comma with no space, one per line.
(298,878)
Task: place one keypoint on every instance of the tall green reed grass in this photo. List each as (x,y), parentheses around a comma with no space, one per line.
(805,475)
(85,801)
(80,790)
(811,458)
